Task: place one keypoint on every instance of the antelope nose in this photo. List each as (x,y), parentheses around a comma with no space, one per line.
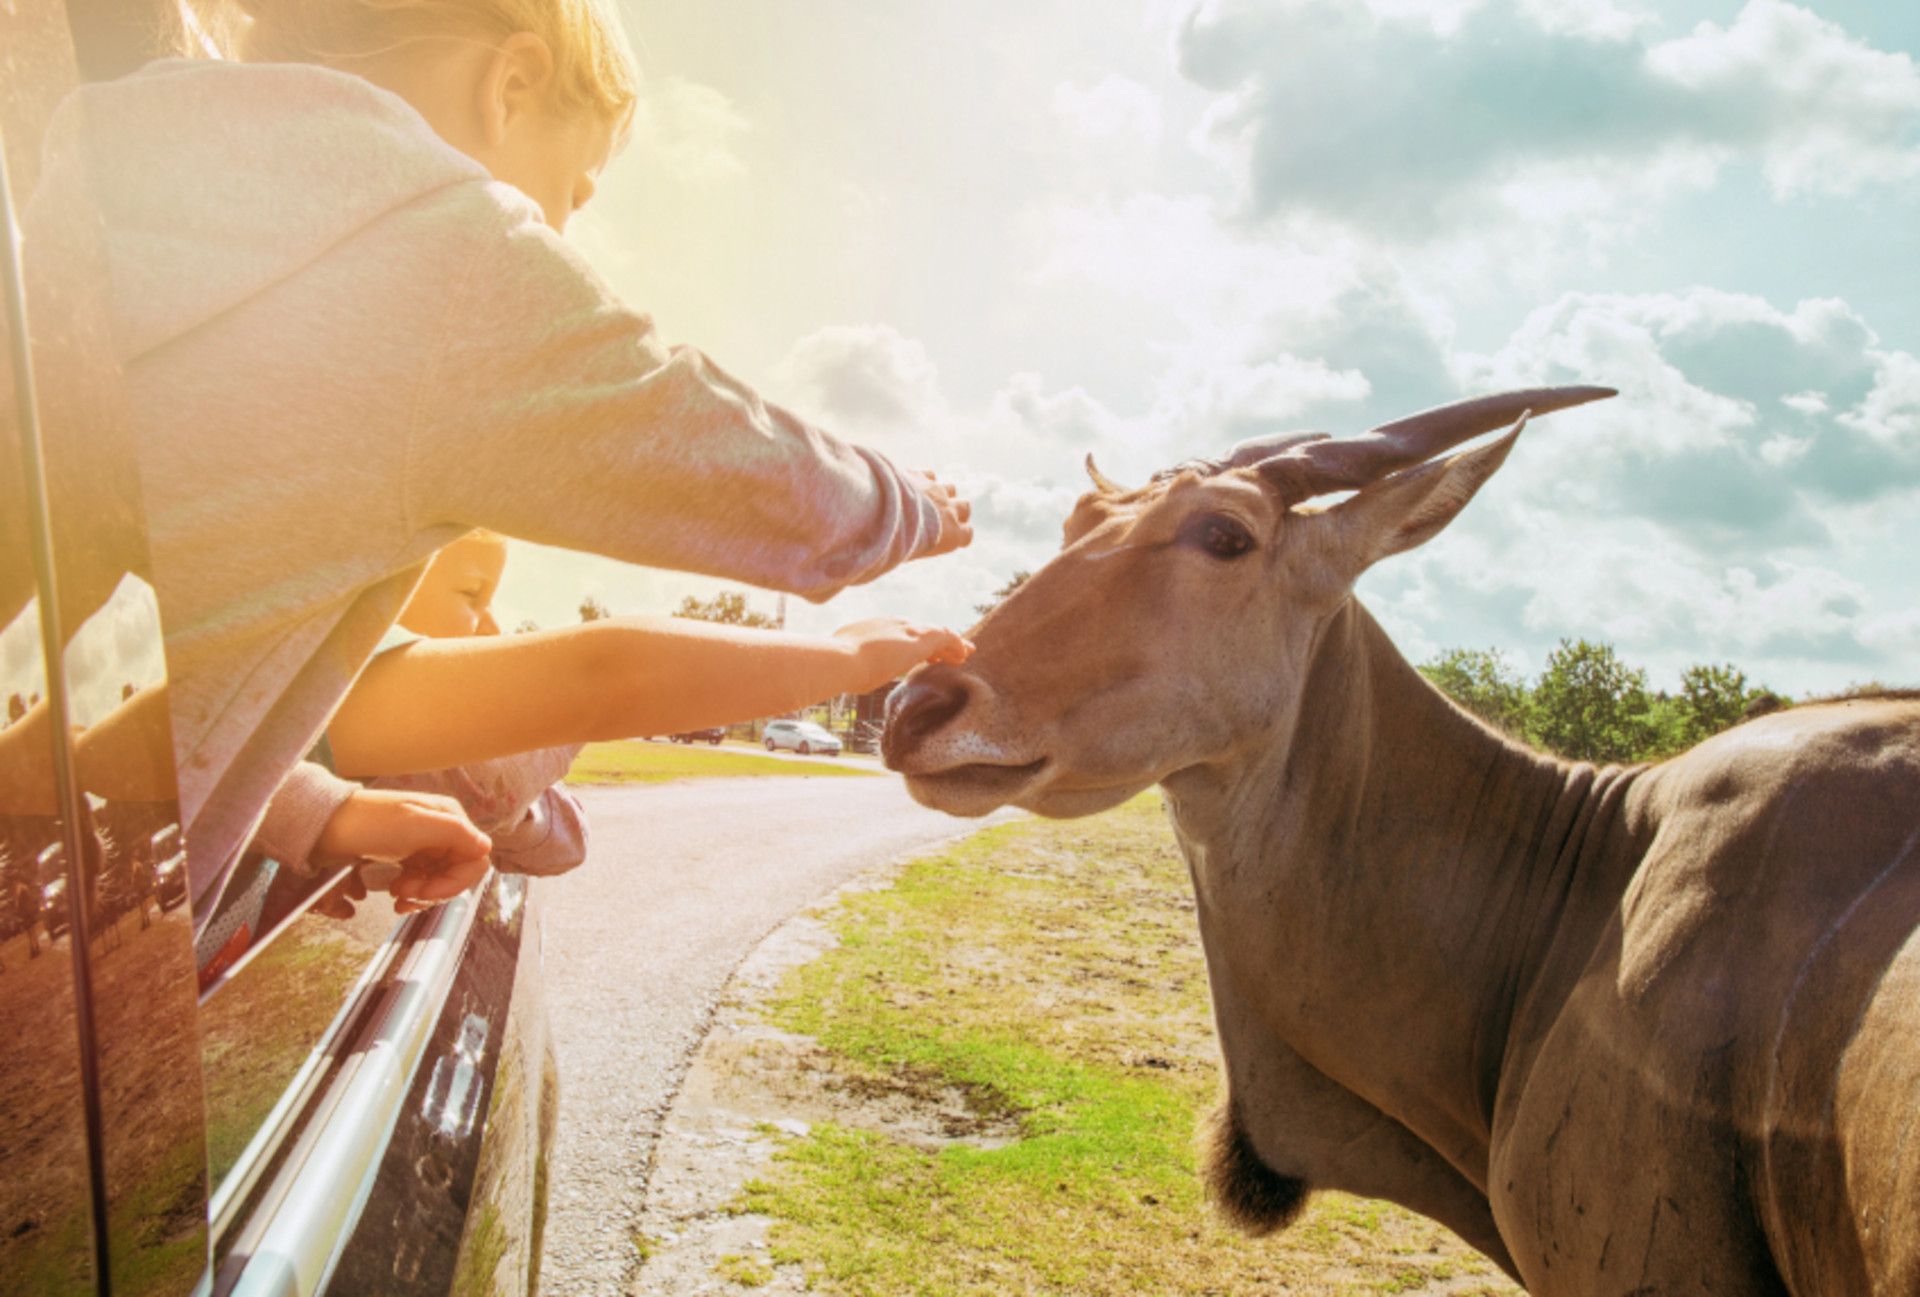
(930,698)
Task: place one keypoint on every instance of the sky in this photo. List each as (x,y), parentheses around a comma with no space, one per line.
(990,238)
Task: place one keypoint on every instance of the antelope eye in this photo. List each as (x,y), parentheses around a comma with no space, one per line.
(1220,536)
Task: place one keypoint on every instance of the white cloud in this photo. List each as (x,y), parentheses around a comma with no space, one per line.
(117,646)
(1072,417)
(1225,400)
(868,378)
(1596,20)
(1828,112)
(1114,108)
(691,131)
(1489,116)
(1890,414)
(21,668)
(1441,17)
(1713,511)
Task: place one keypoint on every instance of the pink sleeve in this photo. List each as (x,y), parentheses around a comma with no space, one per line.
(306,799)
(550,838)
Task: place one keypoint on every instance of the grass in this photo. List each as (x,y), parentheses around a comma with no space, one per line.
(633,762)
(1052,974)
(256,1031)
(744,1271)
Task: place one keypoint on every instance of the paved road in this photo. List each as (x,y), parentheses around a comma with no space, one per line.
(683,880)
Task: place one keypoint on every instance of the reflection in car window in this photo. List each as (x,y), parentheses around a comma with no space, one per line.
(44,1194)
(261,1026)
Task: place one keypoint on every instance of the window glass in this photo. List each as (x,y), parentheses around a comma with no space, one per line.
(266,1019)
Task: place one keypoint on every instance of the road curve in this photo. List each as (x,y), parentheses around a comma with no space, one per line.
(682,880)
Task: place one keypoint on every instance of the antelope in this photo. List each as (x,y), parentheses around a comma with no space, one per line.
(1631,1030)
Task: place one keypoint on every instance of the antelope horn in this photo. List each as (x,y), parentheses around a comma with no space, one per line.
(1245,455)
(1101,481)
(1321,467)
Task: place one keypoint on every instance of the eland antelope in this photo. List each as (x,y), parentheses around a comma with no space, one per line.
(1626,1030)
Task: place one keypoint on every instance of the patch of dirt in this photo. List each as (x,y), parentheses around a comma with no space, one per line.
(749,1087)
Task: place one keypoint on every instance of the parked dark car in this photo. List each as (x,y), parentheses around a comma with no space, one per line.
(345,1106)
(711,735)
(169,866)
(50,871)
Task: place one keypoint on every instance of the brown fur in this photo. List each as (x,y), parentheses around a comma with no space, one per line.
(1255,1198)
(1647,1029)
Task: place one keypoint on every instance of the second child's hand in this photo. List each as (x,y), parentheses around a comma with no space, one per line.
(886,648)
(956,515)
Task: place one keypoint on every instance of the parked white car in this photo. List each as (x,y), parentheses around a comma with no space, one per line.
(803,737)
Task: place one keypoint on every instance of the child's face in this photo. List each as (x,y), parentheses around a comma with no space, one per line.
(455,596)
(496,104)
(555,159)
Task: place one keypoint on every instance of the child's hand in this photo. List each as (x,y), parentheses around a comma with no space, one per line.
(439,851)
(956,514)
(889,647)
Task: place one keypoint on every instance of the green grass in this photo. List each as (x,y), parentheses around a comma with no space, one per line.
(633,762)
(1051,973)
(257,1030)
(744,1271)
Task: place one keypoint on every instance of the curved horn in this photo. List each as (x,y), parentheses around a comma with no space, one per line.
(1256,449)
(1244,455)
(1101,481)
(1353,462)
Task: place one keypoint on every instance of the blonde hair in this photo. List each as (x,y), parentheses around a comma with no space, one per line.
(593,63)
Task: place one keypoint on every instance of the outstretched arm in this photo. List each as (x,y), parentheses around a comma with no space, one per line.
(555,414)
(440,703)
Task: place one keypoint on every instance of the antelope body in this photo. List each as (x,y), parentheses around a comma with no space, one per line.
(1627,1031)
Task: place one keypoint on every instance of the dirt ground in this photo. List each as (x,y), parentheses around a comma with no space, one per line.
(749,1085)
(752,1086)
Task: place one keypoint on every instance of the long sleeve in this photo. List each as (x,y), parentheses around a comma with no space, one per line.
(550,838)
(537,826)
(557,415)
(306,799)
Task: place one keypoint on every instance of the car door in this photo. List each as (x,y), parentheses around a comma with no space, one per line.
(310,1105)
(103,1142)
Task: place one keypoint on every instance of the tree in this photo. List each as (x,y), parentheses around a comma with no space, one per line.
(728,607)
(999,596)
(1481,681)
(591,609)
(1591,706)
(1712,698)
(16,707)
(527,624)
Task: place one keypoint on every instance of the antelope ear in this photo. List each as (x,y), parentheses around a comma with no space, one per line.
(1411,508)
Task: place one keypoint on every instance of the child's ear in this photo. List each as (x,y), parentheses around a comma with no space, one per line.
(518,79)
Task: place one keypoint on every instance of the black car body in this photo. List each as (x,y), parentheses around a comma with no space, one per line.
(237,1096)
(712,735)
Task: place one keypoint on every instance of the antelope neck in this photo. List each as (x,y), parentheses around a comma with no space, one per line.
(1400,877)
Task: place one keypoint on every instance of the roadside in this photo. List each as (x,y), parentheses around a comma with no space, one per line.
(682,880)
(985,1078)
(644,761)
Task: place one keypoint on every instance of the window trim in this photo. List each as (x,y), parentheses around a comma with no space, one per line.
(283,1212)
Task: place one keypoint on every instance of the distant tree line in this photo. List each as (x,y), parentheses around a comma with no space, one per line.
(729,608)
(1590,706)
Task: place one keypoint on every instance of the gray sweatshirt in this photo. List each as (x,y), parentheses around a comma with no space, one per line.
(345,345)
